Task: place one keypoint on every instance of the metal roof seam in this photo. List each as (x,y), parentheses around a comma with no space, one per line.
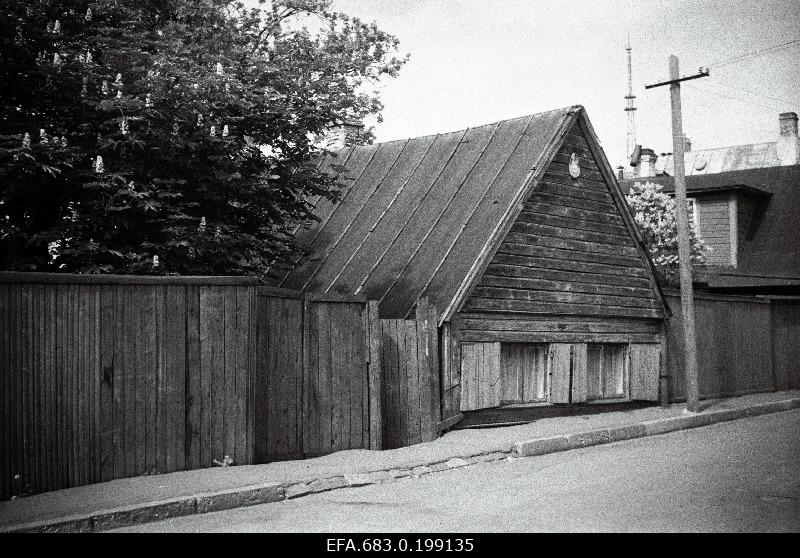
(483,196)
(331,248)
(439,217)
(413,212)
(380,217)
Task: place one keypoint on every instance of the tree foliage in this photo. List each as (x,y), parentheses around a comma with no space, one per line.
(655,216)
(172,136)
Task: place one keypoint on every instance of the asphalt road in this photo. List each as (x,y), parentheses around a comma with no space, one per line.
(742,475)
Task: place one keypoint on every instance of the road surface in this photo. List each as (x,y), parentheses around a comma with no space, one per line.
(742,475)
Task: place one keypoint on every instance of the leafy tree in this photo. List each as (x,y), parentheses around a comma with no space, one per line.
(172,136)
(654,213)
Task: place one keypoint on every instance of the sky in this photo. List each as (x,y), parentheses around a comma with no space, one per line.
(474,62)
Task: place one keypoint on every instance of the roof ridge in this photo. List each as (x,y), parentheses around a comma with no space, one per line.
(565,110)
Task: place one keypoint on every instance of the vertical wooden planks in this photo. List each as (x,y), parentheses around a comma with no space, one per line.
(645,362)
(480,369)
(376,377)
(580,382)
(559,372)
(428,349)
(194,380)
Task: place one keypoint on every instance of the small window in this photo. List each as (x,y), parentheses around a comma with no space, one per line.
(523,373)
(606,371)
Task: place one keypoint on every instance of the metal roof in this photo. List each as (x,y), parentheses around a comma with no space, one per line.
(723,159)
(417,217)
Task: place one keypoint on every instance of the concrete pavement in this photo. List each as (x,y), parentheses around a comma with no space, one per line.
(137,500)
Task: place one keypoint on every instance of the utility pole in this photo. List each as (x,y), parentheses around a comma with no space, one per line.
(684,254)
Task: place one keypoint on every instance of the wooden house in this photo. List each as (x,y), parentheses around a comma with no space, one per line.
(518,233)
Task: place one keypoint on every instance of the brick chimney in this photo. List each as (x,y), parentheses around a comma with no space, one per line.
(687,144)
(788,141)
(647,163)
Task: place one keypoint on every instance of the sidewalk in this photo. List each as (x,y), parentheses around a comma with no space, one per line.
(149,498)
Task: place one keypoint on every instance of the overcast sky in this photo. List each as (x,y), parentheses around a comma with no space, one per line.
(479,61)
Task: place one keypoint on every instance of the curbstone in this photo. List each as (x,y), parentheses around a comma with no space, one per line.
(540,446)
(590,438)
(239,498)
(621,433)
(357,479)
(456,462)
(376,477)
(135,514)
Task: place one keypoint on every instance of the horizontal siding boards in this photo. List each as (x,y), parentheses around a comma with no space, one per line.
(734,347)
(96,378)
(563,259)
(714,227)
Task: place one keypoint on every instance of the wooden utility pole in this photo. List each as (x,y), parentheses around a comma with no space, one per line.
(684,252)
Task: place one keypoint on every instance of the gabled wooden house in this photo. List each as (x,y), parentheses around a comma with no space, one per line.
(518,233)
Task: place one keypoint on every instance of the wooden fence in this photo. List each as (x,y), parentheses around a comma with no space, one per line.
(745,344)
(110,377)
(107,377)
(410,367)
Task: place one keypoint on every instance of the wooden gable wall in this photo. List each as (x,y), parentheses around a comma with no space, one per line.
(569,252)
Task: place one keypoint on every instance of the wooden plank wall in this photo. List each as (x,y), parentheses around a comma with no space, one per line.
(336,375)
(786,343)
(106,378)
(745,344)
(279,376)
(714,227)
(569,252)
(410,365)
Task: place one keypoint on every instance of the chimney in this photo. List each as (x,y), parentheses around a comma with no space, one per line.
(620,172)
(788,142)
(343,134)
(647,163)
(687,144)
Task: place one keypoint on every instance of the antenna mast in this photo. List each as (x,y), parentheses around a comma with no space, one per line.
(630,109)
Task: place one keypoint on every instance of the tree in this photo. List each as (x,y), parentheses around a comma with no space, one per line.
(172,136)
(654,213)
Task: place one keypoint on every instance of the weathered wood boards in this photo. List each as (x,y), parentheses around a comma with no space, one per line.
(410,365)
(103,379)
(740,347)
(336,387)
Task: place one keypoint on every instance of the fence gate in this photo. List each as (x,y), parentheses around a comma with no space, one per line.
(340,388)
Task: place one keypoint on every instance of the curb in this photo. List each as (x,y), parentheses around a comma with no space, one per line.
(541,446)
(265,493)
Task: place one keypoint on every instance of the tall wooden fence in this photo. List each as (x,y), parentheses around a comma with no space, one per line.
(745,344)
(106,377)
(110,377)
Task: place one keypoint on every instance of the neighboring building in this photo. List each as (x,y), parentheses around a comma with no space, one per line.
(746,207)
(518,233)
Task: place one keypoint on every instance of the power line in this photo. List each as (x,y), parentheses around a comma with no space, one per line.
(747,101)
(753,54)
(754,93)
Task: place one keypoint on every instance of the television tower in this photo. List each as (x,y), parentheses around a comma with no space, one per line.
(630,109)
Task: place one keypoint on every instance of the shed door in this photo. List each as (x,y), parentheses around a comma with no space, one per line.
(645,366)
(480,376)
